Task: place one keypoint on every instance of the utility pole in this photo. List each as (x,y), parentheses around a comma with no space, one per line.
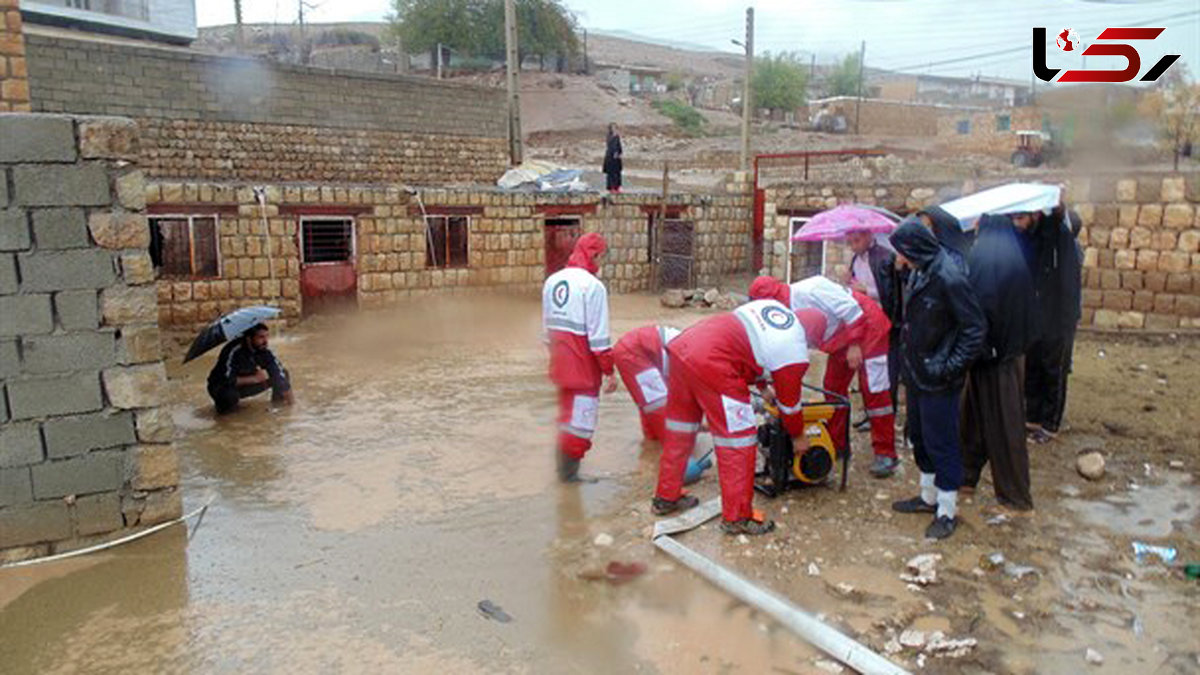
(747,104)
(587,69)
(240,36)
(862,55)
(303,39)
(439,61)
(513,66)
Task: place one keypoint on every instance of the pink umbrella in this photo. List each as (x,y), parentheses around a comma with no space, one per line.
(835,223)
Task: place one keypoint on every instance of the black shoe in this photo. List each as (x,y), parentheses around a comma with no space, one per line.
(665,507)
(884,467)
(863,425)
(748,526)
(914,505)
(941,527)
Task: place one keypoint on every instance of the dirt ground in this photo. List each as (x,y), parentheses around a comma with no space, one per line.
(359,530)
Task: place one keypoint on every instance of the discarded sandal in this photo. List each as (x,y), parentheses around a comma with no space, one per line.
(665,507)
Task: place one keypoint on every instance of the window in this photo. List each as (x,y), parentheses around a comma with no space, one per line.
(185,246)
(326,240)
(446,241)
(1003,122)
(964,127)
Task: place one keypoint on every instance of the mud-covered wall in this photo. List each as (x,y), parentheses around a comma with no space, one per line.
(208,117)
(85,449)
(506,247)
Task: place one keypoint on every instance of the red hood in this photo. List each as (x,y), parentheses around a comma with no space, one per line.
(588,247)
(770,288)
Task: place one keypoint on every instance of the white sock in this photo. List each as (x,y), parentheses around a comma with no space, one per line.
(928,491)
(947,502)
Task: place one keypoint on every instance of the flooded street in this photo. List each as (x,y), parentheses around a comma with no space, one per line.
(359,530)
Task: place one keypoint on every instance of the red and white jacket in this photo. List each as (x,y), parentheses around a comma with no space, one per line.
(575,319)
(833,317)
(759,341)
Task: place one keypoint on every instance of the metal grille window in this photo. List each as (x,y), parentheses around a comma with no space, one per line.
(446,241)
(185,246)
(326,240)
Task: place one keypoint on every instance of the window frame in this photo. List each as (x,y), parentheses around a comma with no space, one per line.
(963,127)
(191,218)
(352,258)
(466,264)
(1003,122)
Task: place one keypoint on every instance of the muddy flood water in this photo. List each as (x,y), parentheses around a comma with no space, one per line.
(360,530)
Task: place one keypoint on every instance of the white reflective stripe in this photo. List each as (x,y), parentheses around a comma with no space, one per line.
(739,442)
(683,427)
(566,325)
(600,343)
(880,412)
(788,409)
(655,405)
(578,433)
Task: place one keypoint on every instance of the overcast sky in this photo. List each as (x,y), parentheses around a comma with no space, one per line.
(900,34)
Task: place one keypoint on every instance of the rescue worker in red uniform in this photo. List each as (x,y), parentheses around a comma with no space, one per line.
(641,360)
(853,330)
(575,321)
(713,364)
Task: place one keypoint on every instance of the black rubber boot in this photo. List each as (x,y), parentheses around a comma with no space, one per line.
(568,469)
(748,526)
(914,505)
(663,507)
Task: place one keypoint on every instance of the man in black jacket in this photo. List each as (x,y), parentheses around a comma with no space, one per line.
(942,334)
(993,422)
(1057,270)
(246,367)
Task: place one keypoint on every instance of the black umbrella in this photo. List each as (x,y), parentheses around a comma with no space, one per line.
(228,327)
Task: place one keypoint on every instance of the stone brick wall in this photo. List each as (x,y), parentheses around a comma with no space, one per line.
(1140,238)
(85,449)
(985,134)
(506,246)
(14,83)
(207,117)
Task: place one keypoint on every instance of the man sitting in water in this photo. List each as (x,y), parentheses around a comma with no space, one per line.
(246,367)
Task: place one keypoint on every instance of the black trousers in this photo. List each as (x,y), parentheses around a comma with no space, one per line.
(227,399)
(993,431)
(1047,367)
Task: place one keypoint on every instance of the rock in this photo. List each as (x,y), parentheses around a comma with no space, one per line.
(1093,657)
(1019,572)
(922,570)
(743,539)
(1176,464)
(913,639)
(711,296)
(942,646)
(1068,491)
(603,540)
(844,588)
(991,562)
(893,647)
(1090,465)
(813,570)
(673,298)
(729,302)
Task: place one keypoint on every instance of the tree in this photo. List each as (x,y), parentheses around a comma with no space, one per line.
(780,82)
(476,27)
(1175,108)
(843,79)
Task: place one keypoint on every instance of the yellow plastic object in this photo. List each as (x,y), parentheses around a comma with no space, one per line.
(816,420)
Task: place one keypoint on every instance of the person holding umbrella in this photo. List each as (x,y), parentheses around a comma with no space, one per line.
(246,368)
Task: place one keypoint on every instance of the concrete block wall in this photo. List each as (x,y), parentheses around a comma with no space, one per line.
(85,449)
(14,80)
(207,117)
(984,135)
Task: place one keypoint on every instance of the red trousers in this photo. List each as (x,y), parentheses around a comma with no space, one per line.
(731,419)
(876,394)
(577,410)
(644,382)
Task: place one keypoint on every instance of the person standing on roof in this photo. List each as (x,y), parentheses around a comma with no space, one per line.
(641,359)
(575,321)
(245,368)
(713,365)
(942,335)
(853,330)
(613,164)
